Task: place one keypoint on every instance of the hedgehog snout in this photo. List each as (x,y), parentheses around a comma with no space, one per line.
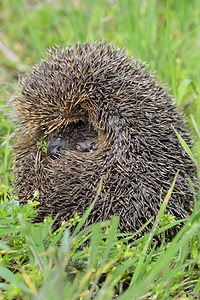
(54,149)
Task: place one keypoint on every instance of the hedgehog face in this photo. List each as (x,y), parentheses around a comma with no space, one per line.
(78,136)
(104,116)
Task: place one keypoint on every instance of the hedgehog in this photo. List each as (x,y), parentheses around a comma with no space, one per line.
(103,116)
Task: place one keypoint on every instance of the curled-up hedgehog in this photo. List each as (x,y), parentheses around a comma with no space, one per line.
(103,116)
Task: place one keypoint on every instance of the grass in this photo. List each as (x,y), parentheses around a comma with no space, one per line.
(38,264)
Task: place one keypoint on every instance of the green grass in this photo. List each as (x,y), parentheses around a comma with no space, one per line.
(38,264)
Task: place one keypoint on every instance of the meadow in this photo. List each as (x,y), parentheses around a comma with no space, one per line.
(36,263)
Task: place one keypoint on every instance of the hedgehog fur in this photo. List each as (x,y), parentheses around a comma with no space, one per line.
(137,152)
